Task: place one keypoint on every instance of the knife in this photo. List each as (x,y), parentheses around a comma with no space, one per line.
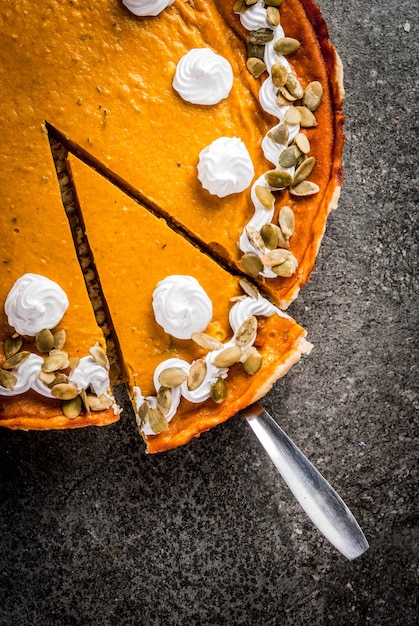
(323,505)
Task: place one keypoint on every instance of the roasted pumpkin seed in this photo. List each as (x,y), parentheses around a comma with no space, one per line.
(83,396)
(158,422)
(256,51)
(269,234)
(240,6)
(197,374)
(275,257)
(253,362)
(273,15)
(288,97)
(218,390)
(46,377)
(292,116)
(98,403)
(12,345)
(206,341)
(60,338)
(58,379)
(143,412)
(172,377)
(251,264)
(286,45)
(302,143)
(73,361)
(286,221)
(278,179)
(303,171)
(246,332)
(313,94)
(274,3)
(287,268)
(248,289)
(99,355)
(289,157)
(255,238)
(72,408)
(255,66)
(64,391)
(227,357)
(7,379)
(265,197)
(261,35)
(15,360)
(294,86)
(57,360)
(44,340)
(306,188)
(164,400)
(307,119)
(279,74)
(279,134)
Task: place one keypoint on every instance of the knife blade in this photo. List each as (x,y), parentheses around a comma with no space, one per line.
(322,504)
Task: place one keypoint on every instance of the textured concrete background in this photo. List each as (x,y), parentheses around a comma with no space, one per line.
(93,532)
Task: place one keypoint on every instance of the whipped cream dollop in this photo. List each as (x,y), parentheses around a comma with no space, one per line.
(181,306)
(203,77)
(253,18)
(225,167)
(145,8)
(89,373)
(34,303)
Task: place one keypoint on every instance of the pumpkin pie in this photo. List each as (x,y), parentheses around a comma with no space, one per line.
(127,94)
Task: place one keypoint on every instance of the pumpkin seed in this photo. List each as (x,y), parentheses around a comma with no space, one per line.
(275,257)
(72,408)
(83,396)
(278,179)
(286,220)
(283,240)
(73,361)
(197,374)
(143,412)
(164,400)
(287,268)
(218,390)
(57,360)
(279,74)
(256,51)
(289,157)
(46,377)
(250,2)
(281,101)
(15,360)
(286,45)
(98,403)
(253,362)
(292,116)
(227,357)
(274,3)
(158,422)
(307,119)
(58,379)
(99,356)
(246,332)
(269,234)
(172,377)
(240,6)
(279,134)
(60,338)
(248,288)
(255,238)
(44,340)
(273,15)
(294,86)
(206,341)
(7,380)
(255,66)
(12,345)
(304,171)
(287,96)
(265,197)
(313,94)
(252,264)
(261,35)
(64,391)
(302,143)
(306,188)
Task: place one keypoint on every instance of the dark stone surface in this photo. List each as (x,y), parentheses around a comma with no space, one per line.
(94,532)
